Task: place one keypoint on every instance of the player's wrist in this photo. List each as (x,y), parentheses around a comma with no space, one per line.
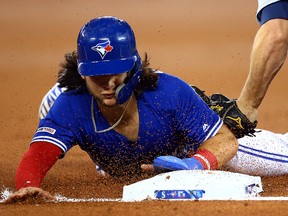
(202,160)
(207,159)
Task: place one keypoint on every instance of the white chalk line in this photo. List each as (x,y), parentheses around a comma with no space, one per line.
(61,199)
(75,200)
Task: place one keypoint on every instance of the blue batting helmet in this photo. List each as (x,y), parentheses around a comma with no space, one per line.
(106,45)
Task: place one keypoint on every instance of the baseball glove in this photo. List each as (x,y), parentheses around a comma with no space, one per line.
(236,121)
(227,109)
(202,94)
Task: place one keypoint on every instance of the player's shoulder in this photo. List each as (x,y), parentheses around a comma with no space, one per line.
(169,91)
(166,79)
(166,76)
(72,101)
(74,93)
(172,84)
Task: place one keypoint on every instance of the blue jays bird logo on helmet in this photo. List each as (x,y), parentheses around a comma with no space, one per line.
(103,48)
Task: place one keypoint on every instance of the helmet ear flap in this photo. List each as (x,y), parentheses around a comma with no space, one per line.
(124,91)
(138,63)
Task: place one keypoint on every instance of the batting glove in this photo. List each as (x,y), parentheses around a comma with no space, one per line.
(171,163)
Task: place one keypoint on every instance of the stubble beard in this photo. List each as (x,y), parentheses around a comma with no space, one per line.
(99,99)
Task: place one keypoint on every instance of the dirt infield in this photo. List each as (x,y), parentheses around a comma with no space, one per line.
(207,43)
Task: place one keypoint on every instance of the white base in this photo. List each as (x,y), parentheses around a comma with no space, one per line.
(194,185)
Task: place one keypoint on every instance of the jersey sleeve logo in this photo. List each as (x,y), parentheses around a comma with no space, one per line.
(206,127)
(46,129)
(103,48)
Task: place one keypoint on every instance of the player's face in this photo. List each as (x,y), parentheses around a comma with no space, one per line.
(103,87)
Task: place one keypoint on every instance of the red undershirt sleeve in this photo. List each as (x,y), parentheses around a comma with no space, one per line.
(35,163)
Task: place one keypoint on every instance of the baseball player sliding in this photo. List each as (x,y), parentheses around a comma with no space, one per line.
(128,117)
(254,156)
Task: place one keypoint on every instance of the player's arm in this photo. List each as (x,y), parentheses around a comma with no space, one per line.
(223,146)
(212,154)
(34,165)
(214,150)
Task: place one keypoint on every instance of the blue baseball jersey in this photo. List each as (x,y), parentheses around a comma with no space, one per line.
(173,120)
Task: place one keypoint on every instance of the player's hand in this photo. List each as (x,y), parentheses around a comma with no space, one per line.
(29,194)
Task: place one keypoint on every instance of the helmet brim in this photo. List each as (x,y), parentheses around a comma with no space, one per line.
(108,67)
